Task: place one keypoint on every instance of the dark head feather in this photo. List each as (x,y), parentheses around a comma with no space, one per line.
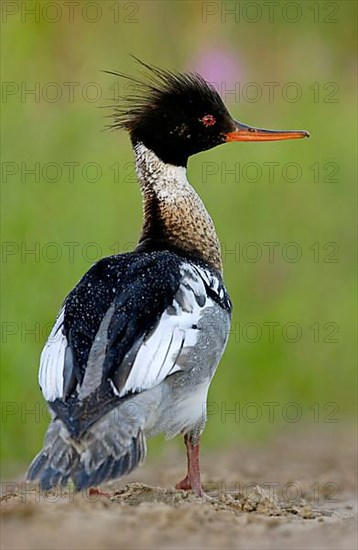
(157,87)
(167,111)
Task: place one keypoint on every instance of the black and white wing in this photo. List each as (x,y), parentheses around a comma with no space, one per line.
(122,330)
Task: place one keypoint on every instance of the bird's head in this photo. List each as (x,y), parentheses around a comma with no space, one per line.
(177,115)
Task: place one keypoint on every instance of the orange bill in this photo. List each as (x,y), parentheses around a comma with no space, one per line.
(249,133)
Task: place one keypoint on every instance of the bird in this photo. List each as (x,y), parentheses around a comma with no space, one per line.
(137,342)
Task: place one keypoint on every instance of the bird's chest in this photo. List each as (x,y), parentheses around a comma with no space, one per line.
(210,333)
(180,401)
(204,311)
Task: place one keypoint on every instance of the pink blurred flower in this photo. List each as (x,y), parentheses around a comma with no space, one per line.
(218,66)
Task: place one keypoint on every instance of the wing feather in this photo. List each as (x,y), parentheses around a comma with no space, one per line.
(124,329)
(52,361)
(177,329)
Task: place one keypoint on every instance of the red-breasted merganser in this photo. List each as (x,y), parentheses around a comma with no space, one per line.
(137,342)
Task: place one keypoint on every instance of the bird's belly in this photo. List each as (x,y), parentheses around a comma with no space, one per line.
(179,402)
(180,414)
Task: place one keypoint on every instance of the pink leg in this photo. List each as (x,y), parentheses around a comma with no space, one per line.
(94,491)
(192,479)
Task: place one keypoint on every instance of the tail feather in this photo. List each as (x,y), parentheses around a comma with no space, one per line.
(107,451)
(110,466)
(53,465)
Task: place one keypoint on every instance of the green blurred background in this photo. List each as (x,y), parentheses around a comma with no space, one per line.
(229,42)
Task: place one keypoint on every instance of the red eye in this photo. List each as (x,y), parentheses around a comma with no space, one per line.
(208,120)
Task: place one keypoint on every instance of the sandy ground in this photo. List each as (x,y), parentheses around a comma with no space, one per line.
(295,492)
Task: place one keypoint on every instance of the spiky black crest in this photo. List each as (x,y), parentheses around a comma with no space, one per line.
(157,86)
(174,114)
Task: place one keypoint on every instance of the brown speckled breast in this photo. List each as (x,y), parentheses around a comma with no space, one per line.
(173,211)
